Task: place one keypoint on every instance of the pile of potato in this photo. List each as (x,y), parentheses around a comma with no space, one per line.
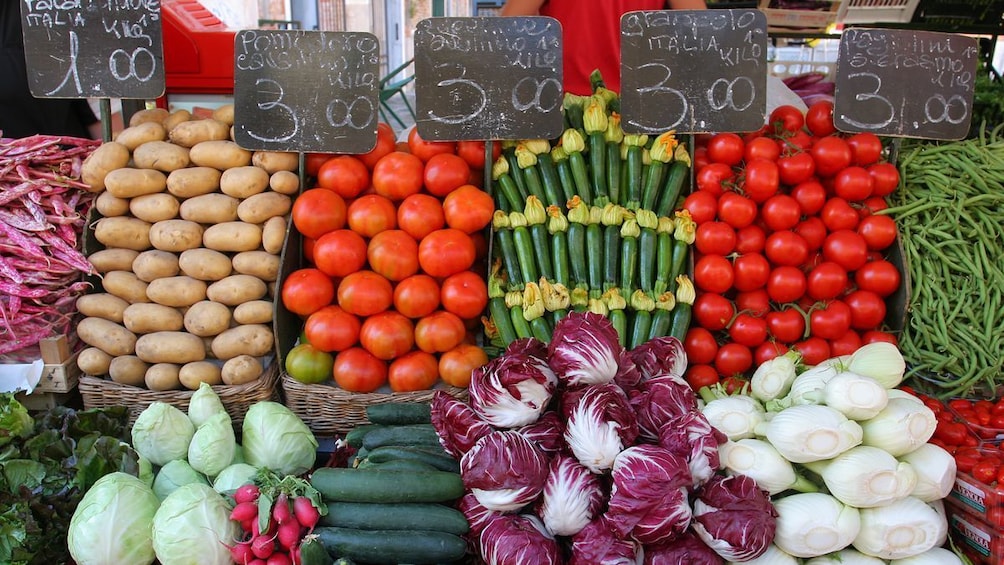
(192,226)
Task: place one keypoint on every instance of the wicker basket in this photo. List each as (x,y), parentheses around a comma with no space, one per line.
(101,392)
(331,411)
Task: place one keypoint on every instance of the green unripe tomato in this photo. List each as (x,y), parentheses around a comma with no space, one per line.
(309,365)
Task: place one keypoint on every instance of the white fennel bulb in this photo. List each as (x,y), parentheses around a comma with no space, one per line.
(935,472)
(903,528)
(735,416)
(806,388)
(865,476)
(759,460)
(933,556)
(846,556)
(810,432)
(881,361)
(773,556)
(812,524)
(899,428)
(773,378)
(856,396)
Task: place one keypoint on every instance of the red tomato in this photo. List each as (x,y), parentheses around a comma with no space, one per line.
(715,178)
(464,294)
(317,211)
(700,345)
(387,335)
(845,344)
(345,175)
(371,214)
(386,142)
(444,173)
(304,291)
(700,376)
(474,152)
(313,162)
(424,150)
(446,252)
(853,184)
(795,168)
(786,118)
(876,335)
(702,205)
(786,325)
(831,154)
(810,195)
(830,321)
(786,248)
(819,118)
(750,271)
(748,330)
(340,252)
(885,178)
(879,231)
(715,238)
(826,281)
(751,239)
(866,147)
(713,311)
(768,350)
(761,180)
(700,157)
(420,215)
(393,254)
(798,141)
(357,370)
(867,309)
(457,364)
(308,248)
(440,331)
(413,372)
(398,175)
(726,147)
(880,277)
(755,302)
(417,296)
(468,208)
(813,231)
(786,284)
(761,148)
(736,210)
(846,248)
(814,350)
(365,293)
(838,214)
(733,359)
(331,329)
(713,273)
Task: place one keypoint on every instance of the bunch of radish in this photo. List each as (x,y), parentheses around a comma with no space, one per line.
(273,528)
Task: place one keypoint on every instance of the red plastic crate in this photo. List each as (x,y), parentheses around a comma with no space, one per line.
(985,502)
(986,434)
(198,49)
(980,541)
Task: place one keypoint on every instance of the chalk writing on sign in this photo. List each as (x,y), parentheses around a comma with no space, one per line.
(488,78)
(693,70)
(905,83)
(93,48)
(297,90)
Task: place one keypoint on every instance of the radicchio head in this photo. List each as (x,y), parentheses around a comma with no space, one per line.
(528,345)
(692,437)
(504,470)
(649,498)
(512,390)
(584,349)
(572,497)
(686,548)
(518,539)
(457,426)
(660,399)
(661,356)
(734,517)
(547,432)
(597,543)
(600,424)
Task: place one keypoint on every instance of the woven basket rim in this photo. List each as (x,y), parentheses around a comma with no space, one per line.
(292,385)
(102,385)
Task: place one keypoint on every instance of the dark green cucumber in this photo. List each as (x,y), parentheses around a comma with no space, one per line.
(396,465)
(437,459)
(338,484)
(413,516)
(390,547)
(399,413)
(344,561)
(417,435)
(312,551)
(355,436)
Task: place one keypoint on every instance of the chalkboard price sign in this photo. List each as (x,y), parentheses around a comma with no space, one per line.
(693,71)
(488,78)
(93,48)
(905,83)
(297,90)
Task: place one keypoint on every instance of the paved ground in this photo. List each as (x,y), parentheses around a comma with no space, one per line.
(397,104)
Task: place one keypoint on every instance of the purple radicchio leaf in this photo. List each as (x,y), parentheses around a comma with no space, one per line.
(457,426)
(547,432)
(504,470)
(735,517)
(597,543)
(694,439)
(659,400)
(686,548)
(600,424)
(572,497)
(477,515)
(529,346)
(660,356)
(649,498)
(584,349)
(512,390)
(518,539)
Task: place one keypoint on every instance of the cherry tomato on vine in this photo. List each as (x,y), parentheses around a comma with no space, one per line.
(700,376)
(726,147)
(831,155)
(786,284)
(733,359)
(750,239)
(813,231)
(810,195)
(768,350)
(826,281)
(700,345)
(866,147)
(786,118)
(755,302)
(847,249)
(868,309)
(879,231)
(786,325)
(702,205)
(761,180)
(795,168)
(715,178)
(880,277)
(713,311)
(715,238)
(838,214)
(854,184)
(786,248)
(845,344)
(873,336)
(830,321)
(761,148)
(713,273)
(819,118)
(748,330)
(885,178)
(781,212)
(736,210)
(814,350)
(750,271)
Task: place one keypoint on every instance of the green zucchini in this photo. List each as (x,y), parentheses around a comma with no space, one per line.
(396,464)
(390,547)
(412,434)
(437,459)
(413,516)
(399,413)
(312,551)
(376,485)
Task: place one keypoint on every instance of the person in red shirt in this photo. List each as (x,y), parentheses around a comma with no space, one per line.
(591,33)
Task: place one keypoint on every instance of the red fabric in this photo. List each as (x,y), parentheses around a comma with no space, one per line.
(591,38)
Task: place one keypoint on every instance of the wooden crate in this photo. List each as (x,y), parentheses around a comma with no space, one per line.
(40,401)
(60,378)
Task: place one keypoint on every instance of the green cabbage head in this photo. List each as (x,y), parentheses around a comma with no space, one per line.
(113,522)
(193,527)
(213,445)
(276,438)
(162,433)
(175,475)
(205,404)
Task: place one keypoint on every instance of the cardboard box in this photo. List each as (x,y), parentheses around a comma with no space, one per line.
(813,17)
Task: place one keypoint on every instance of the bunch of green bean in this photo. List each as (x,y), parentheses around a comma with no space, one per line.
(949,209)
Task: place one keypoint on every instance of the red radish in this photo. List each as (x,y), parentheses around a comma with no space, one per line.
(280,511)
(263,546)
(241,552)
(294,555)
(279,559)
(248,525)
(257,562)
(305,512)
(246,493)
(244,511)
(288,534)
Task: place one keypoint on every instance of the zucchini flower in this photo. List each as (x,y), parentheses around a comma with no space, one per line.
(663,147)
(533,302)
(513,299)
(572,141)
(685,292)
(557,221)
(598,306)
(635,139)
(537,146)
(614,133)
(500,220)
(534,211)
(686,228)
(595,119)
(649,220)
(579,299)
(524,157)
(558,154)
(556,296)
(641,301)
(630,227)
(681,154)
(665,301)
(578,211)
(500,167)
(609,97)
